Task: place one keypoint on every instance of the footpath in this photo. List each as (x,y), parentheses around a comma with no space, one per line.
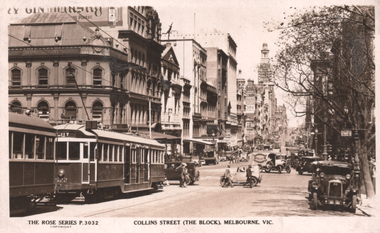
(368,206)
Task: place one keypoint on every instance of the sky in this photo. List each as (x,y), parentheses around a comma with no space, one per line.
(242,19)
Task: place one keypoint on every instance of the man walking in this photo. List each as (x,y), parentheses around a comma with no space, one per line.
(183,171)
(249,175)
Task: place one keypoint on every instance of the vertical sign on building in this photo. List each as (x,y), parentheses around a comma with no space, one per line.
(113,15)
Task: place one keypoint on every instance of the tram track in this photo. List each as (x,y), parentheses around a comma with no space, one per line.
(175,194)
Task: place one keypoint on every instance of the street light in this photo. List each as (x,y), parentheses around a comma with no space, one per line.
(316,141)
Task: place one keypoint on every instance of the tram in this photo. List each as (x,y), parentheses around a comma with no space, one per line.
(99,164)
(31,161)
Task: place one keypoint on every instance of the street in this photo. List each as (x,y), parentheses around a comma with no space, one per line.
(278,195)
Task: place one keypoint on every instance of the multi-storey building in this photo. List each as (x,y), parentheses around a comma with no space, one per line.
(105,67)
(197,104)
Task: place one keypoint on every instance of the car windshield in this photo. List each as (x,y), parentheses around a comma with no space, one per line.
(334,170)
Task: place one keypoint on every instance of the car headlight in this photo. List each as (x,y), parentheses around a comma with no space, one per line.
(322,174)
(348,176)
(61,173)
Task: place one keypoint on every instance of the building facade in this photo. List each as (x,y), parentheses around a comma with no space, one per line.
(65,67)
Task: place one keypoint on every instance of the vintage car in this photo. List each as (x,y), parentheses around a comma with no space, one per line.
(270,162)
(172,174)
(333,183)
(239,176)
(305,164)
(210,158)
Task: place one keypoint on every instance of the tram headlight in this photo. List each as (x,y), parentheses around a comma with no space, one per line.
(61,173)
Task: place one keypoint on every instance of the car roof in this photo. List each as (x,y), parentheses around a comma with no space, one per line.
(334,163)
(310,157)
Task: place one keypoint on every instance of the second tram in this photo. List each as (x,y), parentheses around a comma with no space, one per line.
(100,164)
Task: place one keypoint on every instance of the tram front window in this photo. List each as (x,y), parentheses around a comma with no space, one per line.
(74,151)
(50,148)
(62,150)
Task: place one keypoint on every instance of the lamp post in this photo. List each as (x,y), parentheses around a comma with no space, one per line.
(356,160)
(324,154)
(316,141)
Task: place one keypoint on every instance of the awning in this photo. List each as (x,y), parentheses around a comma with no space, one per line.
(198,141)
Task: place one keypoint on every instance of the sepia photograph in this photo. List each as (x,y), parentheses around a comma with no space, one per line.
(191,116)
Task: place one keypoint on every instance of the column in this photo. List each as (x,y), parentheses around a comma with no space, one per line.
(28,74)
(84,74)
(29,101)
(56,75)
(84,112)
(56,115)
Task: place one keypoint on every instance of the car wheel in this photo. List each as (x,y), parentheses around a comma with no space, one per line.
(315,201)
(353,207)
(221,181)
(300,172)
(288,170)
(254,181)
(188,180)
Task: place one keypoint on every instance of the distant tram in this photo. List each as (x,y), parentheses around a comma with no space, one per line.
(100,164)
(31,161)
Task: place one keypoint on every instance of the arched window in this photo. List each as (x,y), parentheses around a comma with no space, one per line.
(16,107)
(43,110)
(70,77)
(16,78)
(97,111)
(97,77)
(42,77)
(71,110)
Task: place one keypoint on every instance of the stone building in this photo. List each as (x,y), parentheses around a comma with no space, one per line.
(78,65)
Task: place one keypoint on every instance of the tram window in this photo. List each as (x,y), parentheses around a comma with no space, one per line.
(73,150)
(29,146)
(18,139)
(50,148)
(92,150)
(62,150)
(40,146)
(85,150)
(112,152)
(105,152)
(10,145)
(121,153)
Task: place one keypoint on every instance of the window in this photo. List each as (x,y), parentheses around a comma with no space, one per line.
(16,77)
(50,148)
(18,139)
(43,110)
(16,107)
(40,146)
(71,110)
(43,77)
(70,77)
(92,150)
(29,146)
(74,151)
(105,152)
(97,111)
(62,150)
(97,77)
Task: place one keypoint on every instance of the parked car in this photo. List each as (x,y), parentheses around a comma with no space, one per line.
(305,164)
(210,158)
(333,184)
(239,176)
(172,174)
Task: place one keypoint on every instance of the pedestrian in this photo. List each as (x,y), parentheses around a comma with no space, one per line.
(249,175)
(227,178)
(183,171)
